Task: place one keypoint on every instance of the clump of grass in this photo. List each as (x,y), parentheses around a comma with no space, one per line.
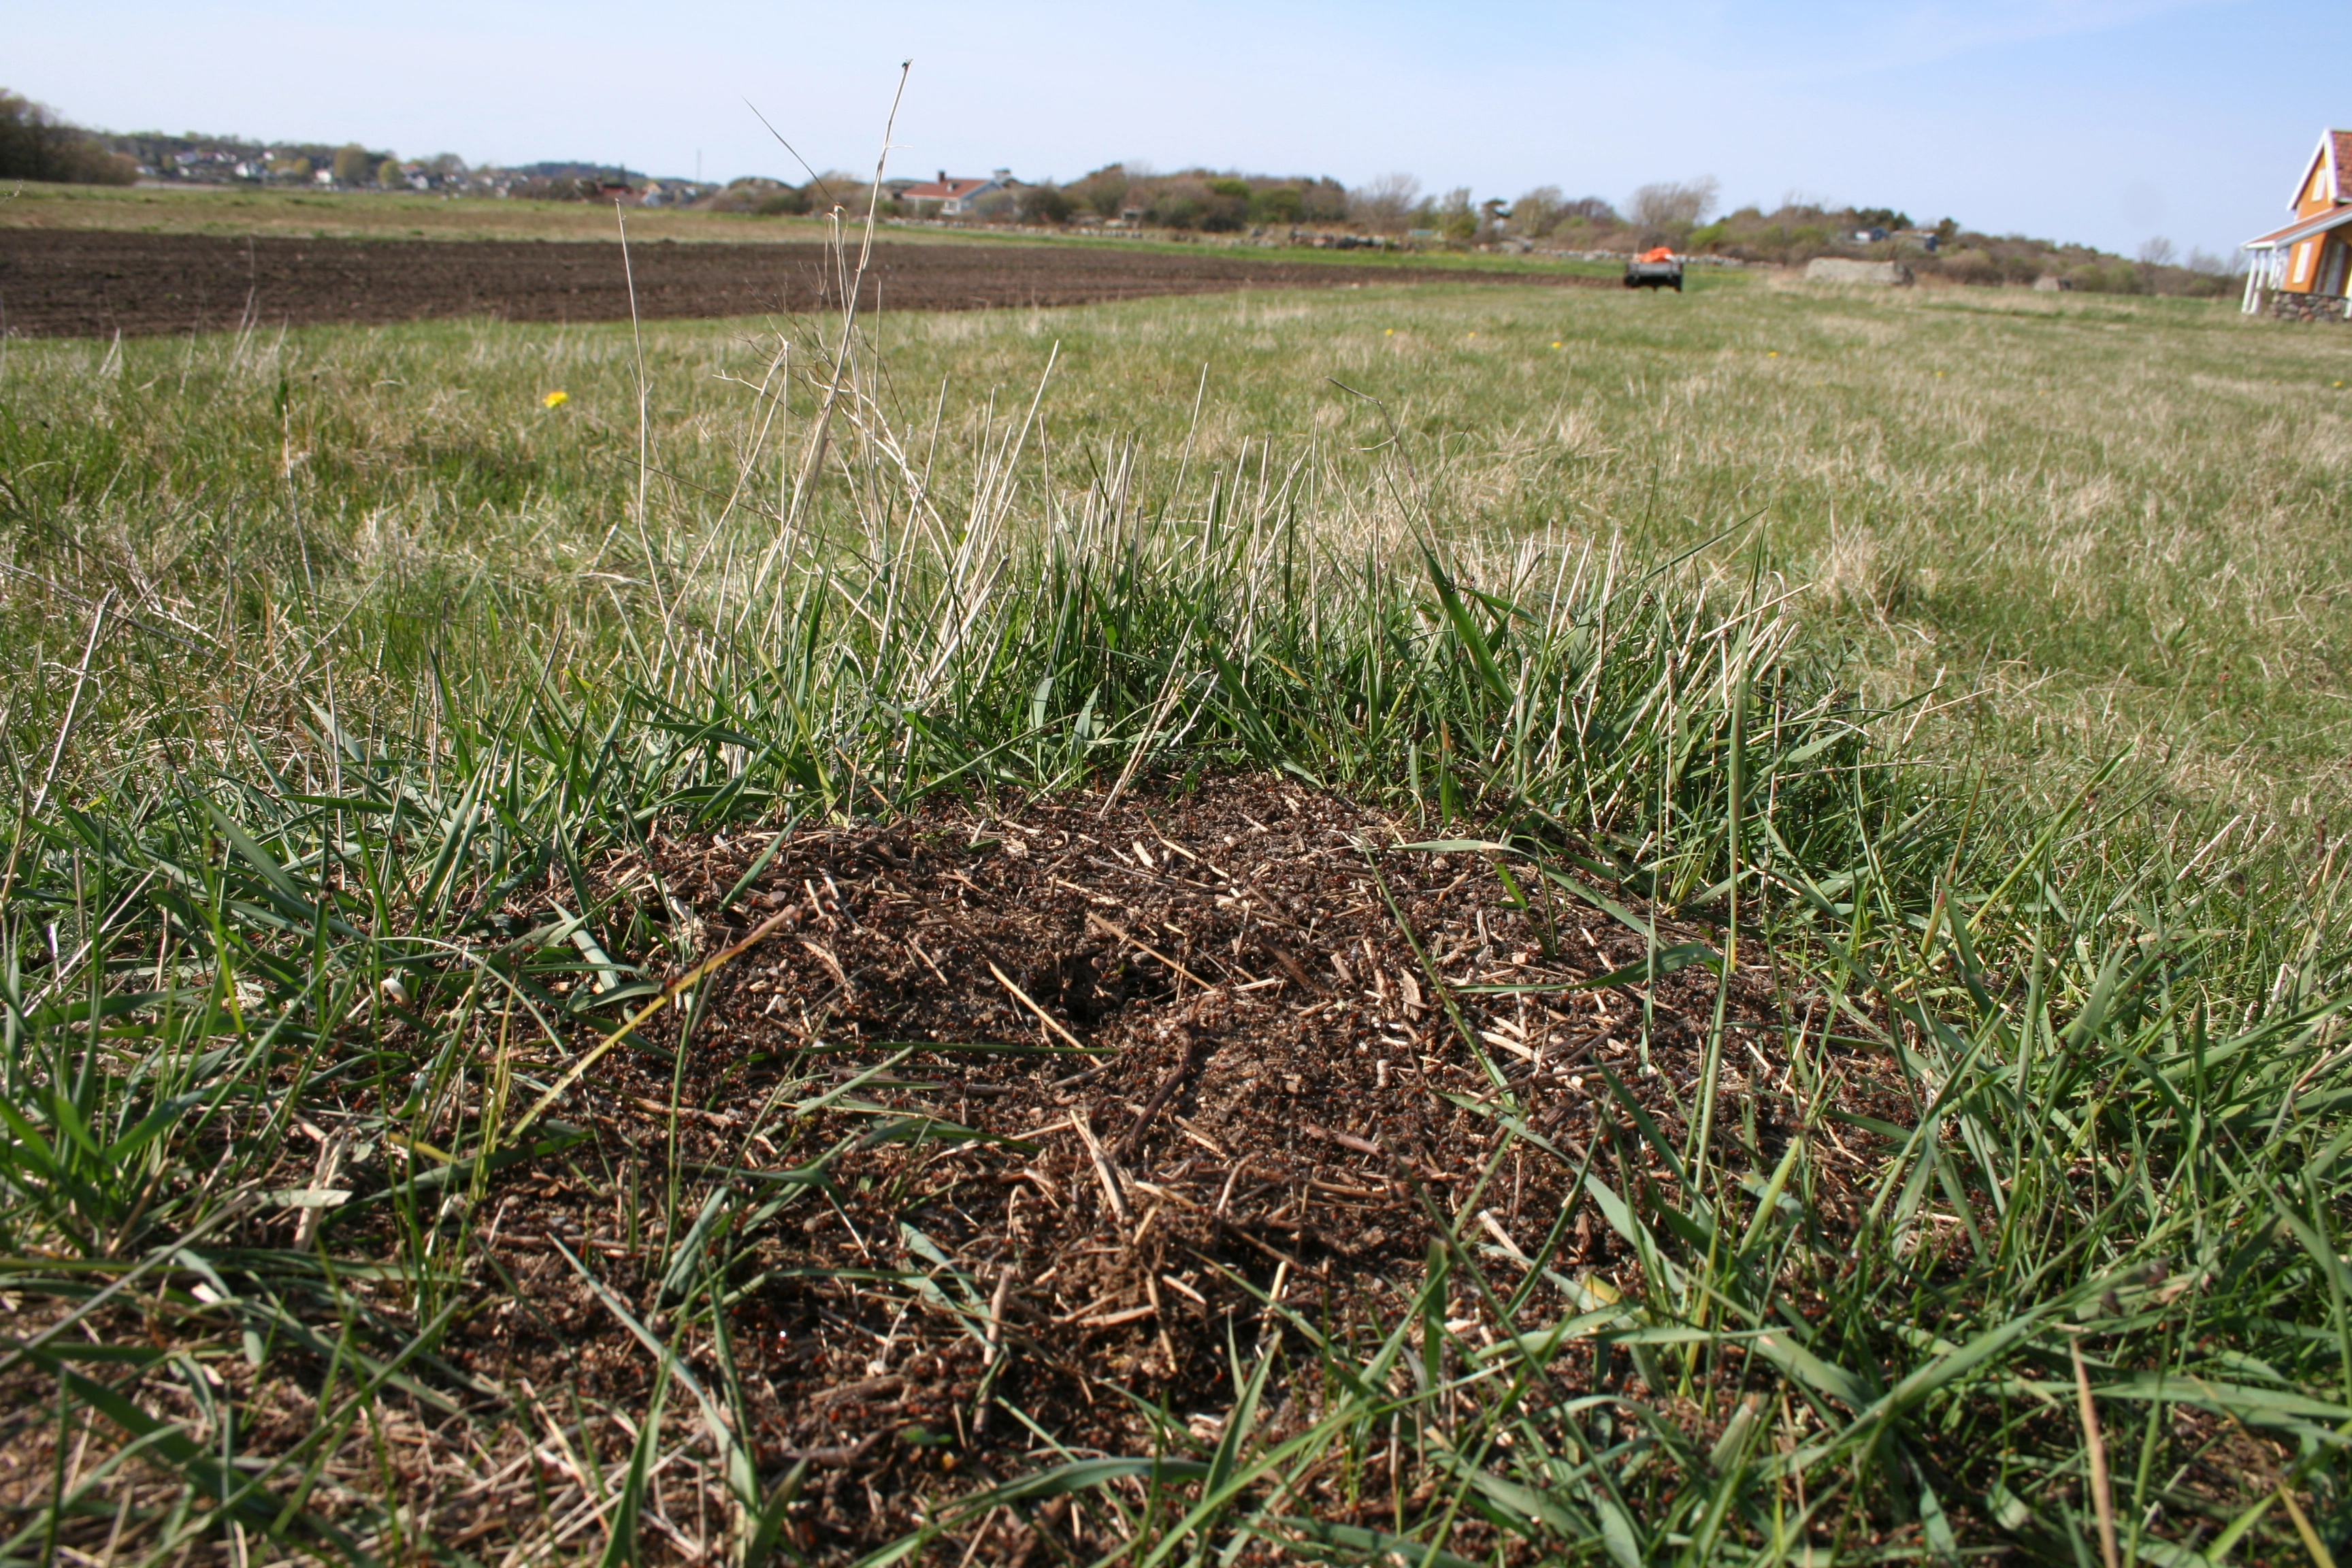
(259,934)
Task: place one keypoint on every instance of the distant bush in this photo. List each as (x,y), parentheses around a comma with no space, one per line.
(1385,205)
(1538,213)
(1322,200)
(1227,207)
(353,165)
(1278,205)
(36,144)
(1216,205)
(1970,267)
(1212,200)
(2116,277)
(1673,204)
(1104,191)
(390,176)
(1457,220)
(758,194)
(1043,203)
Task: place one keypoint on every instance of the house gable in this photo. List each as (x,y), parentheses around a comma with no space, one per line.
(952,197)
(2328,179)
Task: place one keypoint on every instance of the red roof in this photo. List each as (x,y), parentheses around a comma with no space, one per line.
(943,190)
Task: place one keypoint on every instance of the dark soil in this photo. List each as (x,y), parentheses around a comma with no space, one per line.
(1106,1080)
(66,283)
(1284,1109)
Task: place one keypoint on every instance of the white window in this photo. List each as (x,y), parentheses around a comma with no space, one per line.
(2301,262)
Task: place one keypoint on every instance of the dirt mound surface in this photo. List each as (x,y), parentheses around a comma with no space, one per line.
(1009,1133)
(1098,1095)
(62,282)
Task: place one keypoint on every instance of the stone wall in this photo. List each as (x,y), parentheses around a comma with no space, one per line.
(2289,307)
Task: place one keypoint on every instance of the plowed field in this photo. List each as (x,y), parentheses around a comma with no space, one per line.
(67,283)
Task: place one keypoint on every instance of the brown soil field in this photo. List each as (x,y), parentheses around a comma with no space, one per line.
(1049,1106)
(93,283)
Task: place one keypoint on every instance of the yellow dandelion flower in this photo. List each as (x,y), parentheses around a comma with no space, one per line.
(1555,342)
(555,400)
(1773,353)
(1392,331)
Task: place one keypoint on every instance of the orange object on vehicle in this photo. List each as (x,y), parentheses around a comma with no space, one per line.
(1663,253)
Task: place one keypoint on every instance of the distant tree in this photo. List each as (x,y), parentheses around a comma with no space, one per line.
(297,168)
(1105,190)
(2155,252)
(353,165)
(390,174)
(1226,205)
(1278,205)
(1591,209)
(1457,220)
(2205,264)
(1194,201)
(1538,213)
(1044,202)
(1946,230)
(37,144)
(843,187)
(1174,206)
(1386,205)
(1322,200)
(1673,204)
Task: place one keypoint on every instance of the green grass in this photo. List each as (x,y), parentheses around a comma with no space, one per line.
(327,642)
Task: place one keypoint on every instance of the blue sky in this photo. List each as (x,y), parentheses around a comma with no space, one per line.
(2104,121)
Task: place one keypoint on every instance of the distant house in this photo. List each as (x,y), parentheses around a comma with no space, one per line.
(950,197)
(2303,266)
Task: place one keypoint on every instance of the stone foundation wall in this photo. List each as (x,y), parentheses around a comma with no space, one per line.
(2289,307)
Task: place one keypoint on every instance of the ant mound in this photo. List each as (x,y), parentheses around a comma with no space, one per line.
(1049,1117)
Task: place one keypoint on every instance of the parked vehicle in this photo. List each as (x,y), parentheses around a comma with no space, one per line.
(1659,268)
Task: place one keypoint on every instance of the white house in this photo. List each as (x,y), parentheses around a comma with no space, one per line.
(952,197)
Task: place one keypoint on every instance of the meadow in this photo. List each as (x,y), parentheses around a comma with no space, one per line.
(1954,676)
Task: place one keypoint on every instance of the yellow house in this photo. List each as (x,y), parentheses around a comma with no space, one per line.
(2303,266)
